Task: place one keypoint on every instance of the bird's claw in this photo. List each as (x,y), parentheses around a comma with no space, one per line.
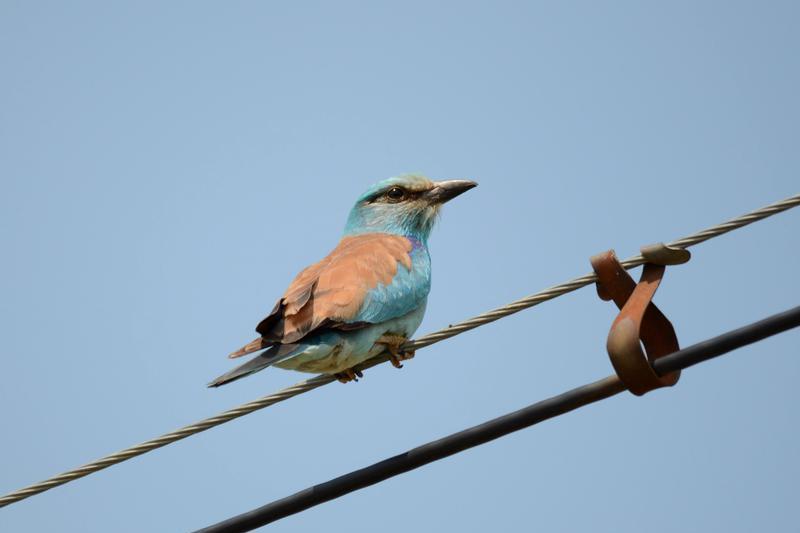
(346,376)
(393,343)
(400,356)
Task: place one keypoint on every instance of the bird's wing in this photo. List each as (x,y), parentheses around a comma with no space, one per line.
(365,279)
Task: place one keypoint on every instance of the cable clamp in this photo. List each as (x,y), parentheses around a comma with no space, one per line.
(639,322)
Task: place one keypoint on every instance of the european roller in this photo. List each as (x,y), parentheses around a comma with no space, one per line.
(365,297)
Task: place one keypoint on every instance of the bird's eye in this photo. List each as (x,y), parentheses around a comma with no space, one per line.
(395,194)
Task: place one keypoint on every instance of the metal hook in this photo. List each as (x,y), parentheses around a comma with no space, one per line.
(639,319)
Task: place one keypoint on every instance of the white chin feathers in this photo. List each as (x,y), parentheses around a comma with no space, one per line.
(431,214)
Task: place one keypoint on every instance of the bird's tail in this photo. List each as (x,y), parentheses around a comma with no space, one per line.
(275,354)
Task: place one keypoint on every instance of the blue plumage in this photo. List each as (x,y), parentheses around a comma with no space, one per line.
(407,291)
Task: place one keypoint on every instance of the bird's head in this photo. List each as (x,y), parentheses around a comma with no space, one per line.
(404,205)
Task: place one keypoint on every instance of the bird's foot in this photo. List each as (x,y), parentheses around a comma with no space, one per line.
(346,376)
(393,343)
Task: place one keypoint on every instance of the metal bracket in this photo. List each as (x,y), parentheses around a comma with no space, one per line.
(639,319)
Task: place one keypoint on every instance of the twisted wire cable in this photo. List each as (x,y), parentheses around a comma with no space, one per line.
(426,340)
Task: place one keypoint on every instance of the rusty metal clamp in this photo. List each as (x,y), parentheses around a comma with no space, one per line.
(639,319)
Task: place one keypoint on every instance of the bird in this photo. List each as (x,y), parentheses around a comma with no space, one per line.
(366,297)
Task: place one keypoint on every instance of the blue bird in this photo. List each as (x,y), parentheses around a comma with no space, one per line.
(365,297)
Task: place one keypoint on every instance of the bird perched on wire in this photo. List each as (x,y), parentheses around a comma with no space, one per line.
(367,296)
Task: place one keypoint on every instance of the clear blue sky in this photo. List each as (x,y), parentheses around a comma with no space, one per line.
(167,168)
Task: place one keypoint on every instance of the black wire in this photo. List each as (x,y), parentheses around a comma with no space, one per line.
(722,344)
(498,427)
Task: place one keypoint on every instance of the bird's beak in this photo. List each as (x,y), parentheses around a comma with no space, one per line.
(447,190)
